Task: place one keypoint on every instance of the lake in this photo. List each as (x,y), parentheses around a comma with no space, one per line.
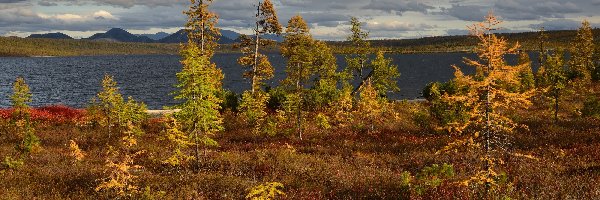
(74,81)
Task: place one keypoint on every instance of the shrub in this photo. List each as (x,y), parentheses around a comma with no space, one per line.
(266,191)
(12,163)
(591,108)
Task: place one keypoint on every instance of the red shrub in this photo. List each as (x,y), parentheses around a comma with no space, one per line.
(52,114)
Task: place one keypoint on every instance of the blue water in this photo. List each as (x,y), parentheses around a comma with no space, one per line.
(74,81)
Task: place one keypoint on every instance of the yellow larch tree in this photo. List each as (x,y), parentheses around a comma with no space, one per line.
(487,99)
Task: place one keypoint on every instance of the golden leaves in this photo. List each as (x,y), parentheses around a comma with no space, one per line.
(76,152)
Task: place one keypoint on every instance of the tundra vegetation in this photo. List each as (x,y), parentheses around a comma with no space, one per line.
(503,132)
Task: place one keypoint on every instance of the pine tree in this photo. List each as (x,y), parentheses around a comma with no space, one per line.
(582,52)
(487,98)
(200,81)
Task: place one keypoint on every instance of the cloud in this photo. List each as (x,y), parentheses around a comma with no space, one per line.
(394,18)
(466,12)
(516,9)
(560,24)
(115,3)
(398,26)
(398,6)
(102,14)
(11,1)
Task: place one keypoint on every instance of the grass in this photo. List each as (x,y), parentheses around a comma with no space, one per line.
(347,162)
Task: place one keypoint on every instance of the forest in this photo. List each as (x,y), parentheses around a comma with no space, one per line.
(504,132)
(14,46)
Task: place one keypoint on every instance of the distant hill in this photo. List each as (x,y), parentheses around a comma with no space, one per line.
(181,37)
(232,35)
(119,35)
(60,47)
(51,36)
(465,43)
(156,36)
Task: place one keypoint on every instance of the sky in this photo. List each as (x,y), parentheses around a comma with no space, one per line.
(328,19)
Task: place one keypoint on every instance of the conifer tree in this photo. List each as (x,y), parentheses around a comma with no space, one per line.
(127,117)
(384,75)
(179,142)
(358,59)
(200,81)
(324,91)
(369,107)
(309,63)
(266,23)
(554,79)
(582,52)
(201,27)
(487,99)
(297,49)
(21,117)
(526,78)
(542,48)
(253,103)
(111,110)
(120,182)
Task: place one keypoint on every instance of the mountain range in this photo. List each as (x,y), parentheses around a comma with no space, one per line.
(121,35)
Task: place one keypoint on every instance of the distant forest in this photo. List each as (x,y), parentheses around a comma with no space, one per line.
(14,46)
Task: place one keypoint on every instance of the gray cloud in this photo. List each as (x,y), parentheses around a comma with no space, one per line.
(397,6)
(560,24)
(396,18)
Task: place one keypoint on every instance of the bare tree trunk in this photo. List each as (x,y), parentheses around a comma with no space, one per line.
(202,28)
(256,49)
(299,106)
(488,125)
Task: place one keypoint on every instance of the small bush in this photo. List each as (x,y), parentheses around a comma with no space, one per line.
(591,108)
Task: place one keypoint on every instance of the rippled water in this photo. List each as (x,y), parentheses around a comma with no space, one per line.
(73,81)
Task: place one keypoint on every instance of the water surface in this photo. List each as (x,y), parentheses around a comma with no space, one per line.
(73,81)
